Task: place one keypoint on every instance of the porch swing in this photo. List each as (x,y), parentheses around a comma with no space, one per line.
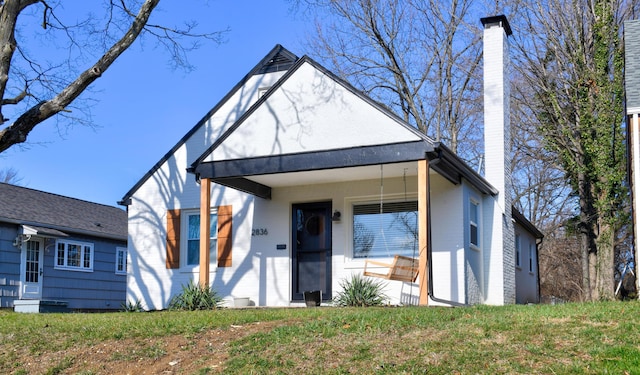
(402,268)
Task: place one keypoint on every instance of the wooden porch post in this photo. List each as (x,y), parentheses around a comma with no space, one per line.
(205,230)
(423,229)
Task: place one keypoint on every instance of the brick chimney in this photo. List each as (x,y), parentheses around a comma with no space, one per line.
(499,248)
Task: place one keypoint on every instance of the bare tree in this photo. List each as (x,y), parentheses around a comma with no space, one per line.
(571,58)
(39,88)
(10,176)
(560,267)
(419,57)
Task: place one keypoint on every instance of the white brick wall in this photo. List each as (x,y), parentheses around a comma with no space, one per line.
(171,186)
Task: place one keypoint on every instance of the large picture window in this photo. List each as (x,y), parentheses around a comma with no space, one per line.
(192,255)
(385,230)
(77,256)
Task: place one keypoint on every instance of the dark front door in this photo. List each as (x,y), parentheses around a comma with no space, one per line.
(311,245)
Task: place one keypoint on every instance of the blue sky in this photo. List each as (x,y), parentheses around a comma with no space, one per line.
(145,107)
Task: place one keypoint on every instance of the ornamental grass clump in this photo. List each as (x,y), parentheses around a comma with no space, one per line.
(360,291)
(132,306)
(195,297)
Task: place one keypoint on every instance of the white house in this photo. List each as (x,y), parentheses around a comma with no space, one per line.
(298,179)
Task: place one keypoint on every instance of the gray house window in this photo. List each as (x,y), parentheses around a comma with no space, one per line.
(74,256)
(121,261)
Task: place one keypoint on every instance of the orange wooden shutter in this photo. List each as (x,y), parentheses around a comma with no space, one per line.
(173,239)
(225,229)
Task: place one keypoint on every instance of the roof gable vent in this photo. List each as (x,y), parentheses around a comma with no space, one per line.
(282,60)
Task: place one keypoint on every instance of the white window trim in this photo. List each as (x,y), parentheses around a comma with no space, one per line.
(118,251)
(347,217)
(184,243)
(475,201)
(74,268)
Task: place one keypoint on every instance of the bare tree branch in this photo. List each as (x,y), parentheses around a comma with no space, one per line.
(18,131)
(419,57)
(44,88)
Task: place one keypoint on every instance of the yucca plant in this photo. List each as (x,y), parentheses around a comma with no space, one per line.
(131,306)
(195,297)
(360,291)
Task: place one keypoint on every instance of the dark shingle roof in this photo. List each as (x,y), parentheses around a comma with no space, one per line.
(20,205)
(632,63)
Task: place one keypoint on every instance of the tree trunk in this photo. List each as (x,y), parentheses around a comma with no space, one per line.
(586,230)
(604,264)
(593,276)
(586,285)
(9,11)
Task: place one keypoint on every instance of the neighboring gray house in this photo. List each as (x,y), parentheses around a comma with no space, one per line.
(527,241)
(60,252)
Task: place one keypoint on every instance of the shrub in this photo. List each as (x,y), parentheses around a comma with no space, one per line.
(195,297)
(360,291)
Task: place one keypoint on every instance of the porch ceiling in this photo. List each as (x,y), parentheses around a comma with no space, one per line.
(326,176)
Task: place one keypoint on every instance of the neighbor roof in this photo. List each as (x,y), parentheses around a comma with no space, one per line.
(632,65)
(50,213)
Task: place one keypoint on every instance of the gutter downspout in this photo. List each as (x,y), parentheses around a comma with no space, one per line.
(430,292)
(538,243)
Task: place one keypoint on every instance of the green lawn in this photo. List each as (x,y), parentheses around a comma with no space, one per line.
(573,338)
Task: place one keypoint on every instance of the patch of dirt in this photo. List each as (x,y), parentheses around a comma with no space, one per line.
(178,354)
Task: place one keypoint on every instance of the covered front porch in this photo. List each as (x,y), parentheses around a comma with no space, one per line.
(342,178)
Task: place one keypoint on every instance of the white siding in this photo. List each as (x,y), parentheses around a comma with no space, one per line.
(303,117)
(275,215)
(172,187)
(448,231)
(263,273)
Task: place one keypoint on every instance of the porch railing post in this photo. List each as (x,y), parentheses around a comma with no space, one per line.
(423,229)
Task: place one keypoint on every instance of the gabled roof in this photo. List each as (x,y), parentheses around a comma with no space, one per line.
(56,215)
(525,223)
(278,59)
(316,120)
(414,145)
(400,131)
(232,172)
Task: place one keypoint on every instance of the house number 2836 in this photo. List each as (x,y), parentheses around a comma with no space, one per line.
(259,232)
